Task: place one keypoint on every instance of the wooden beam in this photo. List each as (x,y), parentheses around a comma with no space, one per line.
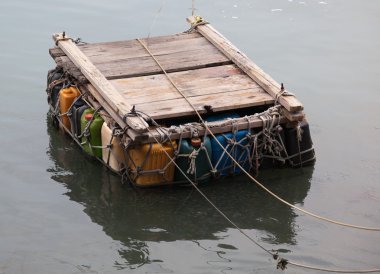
(100,83)
(294,116)
(215,127)
(101,102)
(291,103)
(228,100)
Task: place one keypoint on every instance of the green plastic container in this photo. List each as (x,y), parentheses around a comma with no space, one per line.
(94,138)
(201,162)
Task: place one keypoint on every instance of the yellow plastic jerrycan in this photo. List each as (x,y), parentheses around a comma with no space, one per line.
(66,98)
(152,157)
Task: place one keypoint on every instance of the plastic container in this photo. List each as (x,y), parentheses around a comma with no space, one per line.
(53,92)
(268,162)
(152,157)
(94,138)
(304,146)
(113,156)
(76,113)
(221,161)
(66,98)
(202,165)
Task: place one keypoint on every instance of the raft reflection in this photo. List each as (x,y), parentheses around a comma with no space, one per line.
(136,216)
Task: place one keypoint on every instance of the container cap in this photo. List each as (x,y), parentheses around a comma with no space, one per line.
(196,142)
(88,116)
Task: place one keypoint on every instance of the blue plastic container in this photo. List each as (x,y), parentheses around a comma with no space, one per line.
(202,164)
(240,151)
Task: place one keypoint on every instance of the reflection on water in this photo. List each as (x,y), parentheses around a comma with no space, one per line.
(136,216)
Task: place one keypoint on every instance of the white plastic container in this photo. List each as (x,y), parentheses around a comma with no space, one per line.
(113,156)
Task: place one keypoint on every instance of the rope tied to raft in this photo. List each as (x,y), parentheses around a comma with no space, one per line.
(282,263)
(193,157)
(62,37)
(282,92)
(257,182)
(199,21)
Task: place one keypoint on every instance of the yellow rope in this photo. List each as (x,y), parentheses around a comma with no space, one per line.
(249,175)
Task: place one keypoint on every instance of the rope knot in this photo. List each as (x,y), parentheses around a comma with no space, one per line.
(193,157)
(282,263)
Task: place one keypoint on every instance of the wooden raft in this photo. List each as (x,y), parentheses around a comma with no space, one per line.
(206,67)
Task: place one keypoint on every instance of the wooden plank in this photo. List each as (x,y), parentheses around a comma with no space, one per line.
(123,59)
(294,116)
(178,61)
(215,127)
(218,102)
(133,49)
(128,44)
(107,91)
(192,83)
(143,66)
(291,103)
(101,102)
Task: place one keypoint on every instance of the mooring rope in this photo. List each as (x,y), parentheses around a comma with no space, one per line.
(247,173)
(332,270)
(282,263)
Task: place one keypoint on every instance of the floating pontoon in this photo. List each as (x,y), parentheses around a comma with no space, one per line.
(167,109)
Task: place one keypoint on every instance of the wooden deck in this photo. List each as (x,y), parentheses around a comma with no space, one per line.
(206,67)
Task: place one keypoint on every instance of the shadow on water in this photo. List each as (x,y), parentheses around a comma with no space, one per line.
(137,216)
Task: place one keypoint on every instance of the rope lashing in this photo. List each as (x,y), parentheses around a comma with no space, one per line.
(63,37)
(199,21)
(193,157)
(282,92)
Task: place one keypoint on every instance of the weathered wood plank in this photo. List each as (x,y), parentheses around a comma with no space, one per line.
(215,127)
(107,91)
(218,102)
(133,49)
(241,60)
(178,61)
(104,46)
(192,83)
(104,104)
(142,66)
(294,116)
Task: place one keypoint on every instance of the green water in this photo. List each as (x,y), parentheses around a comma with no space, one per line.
(63,213)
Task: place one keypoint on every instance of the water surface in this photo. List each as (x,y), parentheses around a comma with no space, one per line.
(62,213)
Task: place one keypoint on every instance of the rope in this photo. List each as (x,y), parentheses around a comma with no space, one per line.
(333,270)
(198,22)
(282,92)
(193,157)
(249,175)
(282,263)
